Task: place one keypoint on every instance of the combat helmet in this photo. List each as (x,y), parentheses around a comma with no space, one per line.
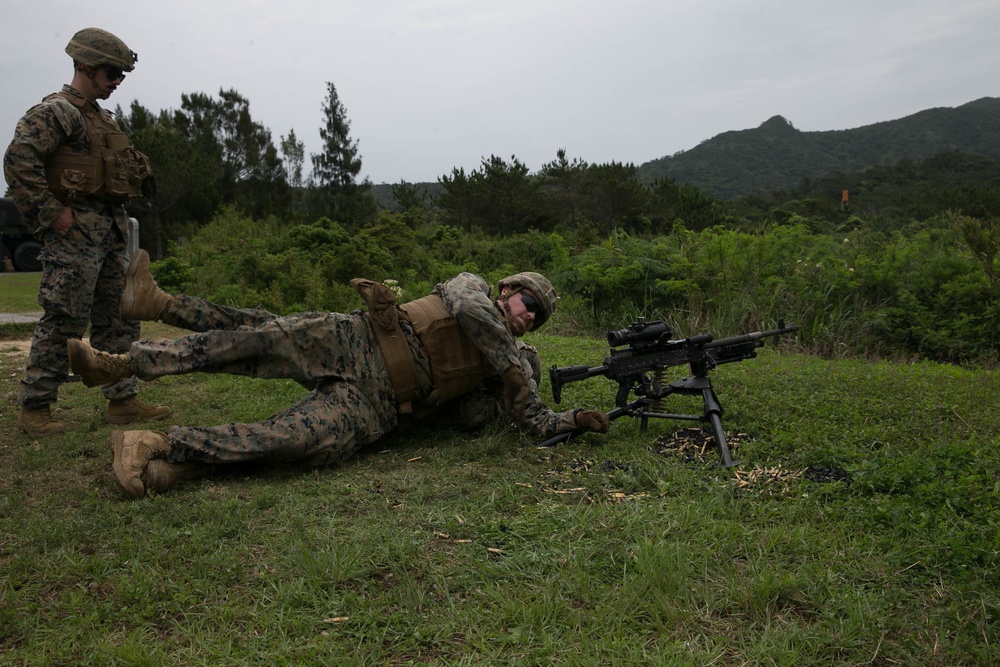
(539,286)
(94,47)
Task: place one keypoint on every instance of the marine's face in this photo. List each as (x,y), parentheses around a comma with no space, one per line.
(521,310)
(106,80)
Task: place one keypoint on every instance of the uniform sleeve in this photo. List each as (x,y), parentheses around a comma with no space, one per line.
(38,134)
(538,417)
(544,421)
(467,297)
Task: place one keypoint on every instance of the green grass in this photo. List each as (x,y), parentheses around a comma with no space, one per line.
(19,292)
(442,547)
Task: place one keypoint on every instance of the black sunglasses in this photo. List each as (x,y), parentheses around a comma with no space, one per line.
(531,303)
(113,73)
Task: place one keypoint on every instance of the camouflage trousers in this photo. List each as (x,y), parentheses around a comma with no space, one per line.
(82,282)
(196,314)
(352,405)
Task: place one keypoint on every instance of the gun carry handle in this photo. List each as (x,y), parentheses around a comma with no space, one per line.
(700,339)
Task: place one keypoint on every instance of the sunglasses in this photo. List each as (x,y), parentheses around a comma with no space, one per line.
(113,73)
(531,303)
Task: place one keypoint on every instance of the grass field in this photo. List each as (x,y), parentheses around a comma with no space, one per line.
(861,528)
(19,292)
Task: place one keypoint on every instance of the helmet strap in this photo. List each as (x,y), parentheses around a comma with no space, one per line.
(88,72)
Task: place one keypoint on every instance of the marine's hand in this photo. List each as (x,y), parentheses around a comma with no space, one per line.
(593,420)
(65,220)
(516,391)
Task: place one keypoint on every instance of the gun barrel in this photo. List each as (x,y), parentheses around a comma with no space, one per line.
(755,336)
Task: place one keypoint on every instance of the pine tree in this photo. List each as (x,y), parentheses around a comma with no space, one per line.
(336,169)
(293,154)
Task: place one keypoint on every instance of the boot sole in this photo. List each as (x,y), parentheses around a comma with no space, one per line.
(128,296)
(78,364)
(117,442)
(35,434)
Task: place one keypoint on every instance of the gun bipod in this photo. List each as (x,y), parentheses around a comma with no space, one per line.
(689,386)
(641,408)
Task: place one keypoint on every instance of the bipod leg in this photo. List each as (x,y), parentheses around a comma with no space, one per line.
(713,414)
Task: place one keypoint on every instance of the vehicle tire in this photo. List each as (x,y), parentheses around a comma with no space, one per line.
(26,256)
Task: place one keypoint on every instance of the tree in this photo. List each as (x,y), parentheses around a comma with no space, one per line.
(186,178)
(408,196)
(614,198)
(251,173)
(293,152)
(336,169)
(562,182)
(670,202)
(498,198)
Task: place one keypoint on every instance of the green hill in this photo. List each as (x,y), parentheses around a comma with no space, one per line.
(776,156)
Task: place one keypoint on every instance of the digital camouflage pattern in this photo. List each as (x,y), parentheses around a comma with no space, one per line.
(53,123)
(469,298)
(83,271)
(351,404)
(93,46)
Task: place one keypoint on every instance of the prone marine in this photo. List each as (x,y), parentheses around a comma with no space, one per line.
(369,372)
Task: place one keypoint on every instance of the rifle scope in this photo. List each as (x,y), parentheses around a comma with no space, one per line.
(639,333)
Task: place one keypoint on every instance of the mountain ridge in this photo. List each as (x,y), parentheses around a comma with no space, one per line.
(776,156)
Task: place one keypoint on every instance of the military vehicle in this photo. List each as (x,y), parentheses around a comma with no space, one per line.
(16,242)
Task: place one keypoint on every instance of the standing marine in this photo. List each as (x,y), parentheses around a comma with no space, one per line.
(71,170)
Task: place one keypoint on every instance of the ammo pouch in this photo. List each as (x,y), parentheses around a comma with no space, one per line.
(457,366)
(113,171)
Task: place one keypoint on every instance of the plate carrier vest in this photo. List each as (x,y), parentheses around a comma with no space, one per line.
(113,171)
(457,365)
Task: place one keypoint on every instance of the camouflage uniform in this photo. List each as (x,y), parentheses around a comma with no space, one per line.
(83,270)
(352,402)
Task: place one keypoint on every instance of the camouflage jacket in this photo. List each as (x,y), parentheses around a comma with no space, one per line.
(468,298)
(52,123)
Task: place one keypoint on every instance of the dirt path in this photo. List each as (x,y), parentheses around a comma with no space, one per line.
(15,348)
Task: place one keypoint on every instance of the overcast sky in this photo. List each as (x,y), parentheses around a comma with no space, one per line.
(431,85)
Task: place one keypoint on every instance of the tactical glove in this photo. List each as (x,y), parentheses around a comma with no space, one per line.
(516,391)
(593,420)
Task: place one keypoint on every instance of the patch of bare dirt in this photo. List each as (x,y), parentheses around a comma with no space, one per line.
(15,347)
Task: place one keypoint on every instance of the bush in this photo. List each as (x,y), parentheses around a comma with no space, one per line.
(914,292)
(172,274)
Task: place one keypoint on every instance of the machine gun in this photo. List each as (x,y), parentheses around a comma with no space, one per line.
(639,356)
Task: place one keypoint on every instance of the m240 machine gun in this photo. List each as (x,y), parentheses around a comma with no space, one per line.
(641,353)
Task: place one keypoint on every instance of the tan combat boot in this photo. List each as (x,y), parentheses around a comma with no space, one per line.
(97,368)
(133,450)
(143,299)
(163,475)
(130,409)
(39,422)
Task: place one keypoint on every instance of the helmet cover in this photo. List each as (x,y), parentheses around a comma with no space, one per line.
(95,47)
(540,288)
